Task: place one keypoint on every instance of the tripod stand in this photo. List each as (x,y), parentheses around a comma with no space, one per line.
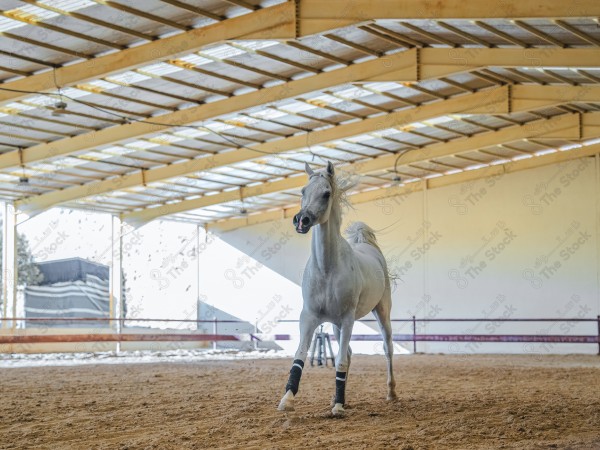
(321,342)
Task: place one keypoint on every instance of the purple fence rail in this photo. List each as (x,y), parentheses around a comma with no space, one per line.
(413,337)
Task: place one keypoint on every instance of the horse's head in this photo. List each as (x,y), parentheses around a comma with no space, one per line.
(317,197)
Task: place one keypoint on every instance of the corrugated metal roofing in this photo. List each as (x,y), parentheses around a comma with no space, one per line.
(36,36)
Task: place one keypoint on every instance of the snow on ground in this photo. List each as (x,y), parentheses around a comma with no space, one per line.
(9,360)
(133,357)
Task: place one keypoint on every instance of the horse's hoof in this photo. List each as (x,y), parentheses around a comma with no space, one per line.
(286,407)
(287,402)
(332,403)
(392,397)
(338,410)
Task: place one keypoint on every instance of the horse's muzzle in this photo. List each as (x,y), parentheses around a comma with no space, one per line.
(302,222)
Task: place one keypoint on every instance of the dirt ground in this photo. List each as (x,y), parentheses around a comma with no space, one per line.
(445,402)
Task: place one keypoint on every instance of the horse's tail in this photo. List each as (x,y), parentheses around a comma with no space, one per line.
(360,232)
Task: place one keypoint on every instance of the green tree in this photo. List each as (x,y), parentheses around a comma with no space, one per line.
(27,271)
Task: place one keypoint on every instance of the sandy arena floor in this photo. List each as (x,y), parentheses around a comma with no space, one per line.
(445,402)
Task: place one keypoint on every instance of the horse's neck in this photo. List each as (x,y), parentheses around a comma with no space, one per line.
(327,241)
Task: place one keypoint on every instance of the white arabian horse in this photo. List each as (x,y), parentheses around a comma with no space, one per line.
(343,281)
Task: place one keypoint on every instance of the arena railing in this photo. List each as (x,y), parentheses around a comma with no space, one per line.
(20,336)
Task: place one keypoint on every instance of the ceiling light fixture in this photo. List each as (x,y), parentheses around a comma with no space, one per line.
(243,211)
(23,179)
(60,109)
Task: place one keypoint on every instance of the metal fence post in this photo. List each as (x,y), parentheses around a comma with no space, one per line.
(215,333)
(599,335)
(414,323)
(255,338)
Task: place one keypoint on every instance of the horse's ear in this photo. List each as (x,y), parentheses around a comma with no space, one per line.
(309,171)
(330,169)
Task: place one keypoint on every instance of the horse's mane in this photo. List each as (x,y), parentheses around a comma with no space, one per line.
(356,232)
(341,183)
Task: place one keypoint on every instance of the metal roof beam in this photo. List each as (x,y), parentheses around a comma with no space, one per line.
(440,62)
(397,67)
(527,97)
(276,22)
(355,72)
(485,172)
(317,16)
(432,183)
(279,22)
(492,101)
(560,127)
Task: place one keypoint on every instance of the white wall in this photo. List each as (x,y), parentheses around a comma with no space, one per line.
(520,245)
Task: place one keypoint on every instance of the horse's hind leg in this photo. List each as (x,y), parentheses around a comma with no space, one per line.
(382,313)
(308,324)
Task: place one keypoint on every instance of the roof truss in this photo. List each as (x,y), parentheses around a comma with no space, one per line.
(500,100)
(275,23)
(400,67)
(571,127)
(381,194)
(469,60)
(283,21)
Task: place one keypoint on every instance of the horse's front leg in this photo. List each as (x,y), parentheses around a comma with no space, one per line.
(308,324)
(342,363)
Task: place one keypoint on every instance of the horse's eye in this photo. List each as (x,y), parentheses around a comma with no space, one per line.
(327,194)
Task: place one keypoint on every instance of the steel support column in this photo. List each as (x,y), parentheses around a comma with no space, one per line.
(9,264)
